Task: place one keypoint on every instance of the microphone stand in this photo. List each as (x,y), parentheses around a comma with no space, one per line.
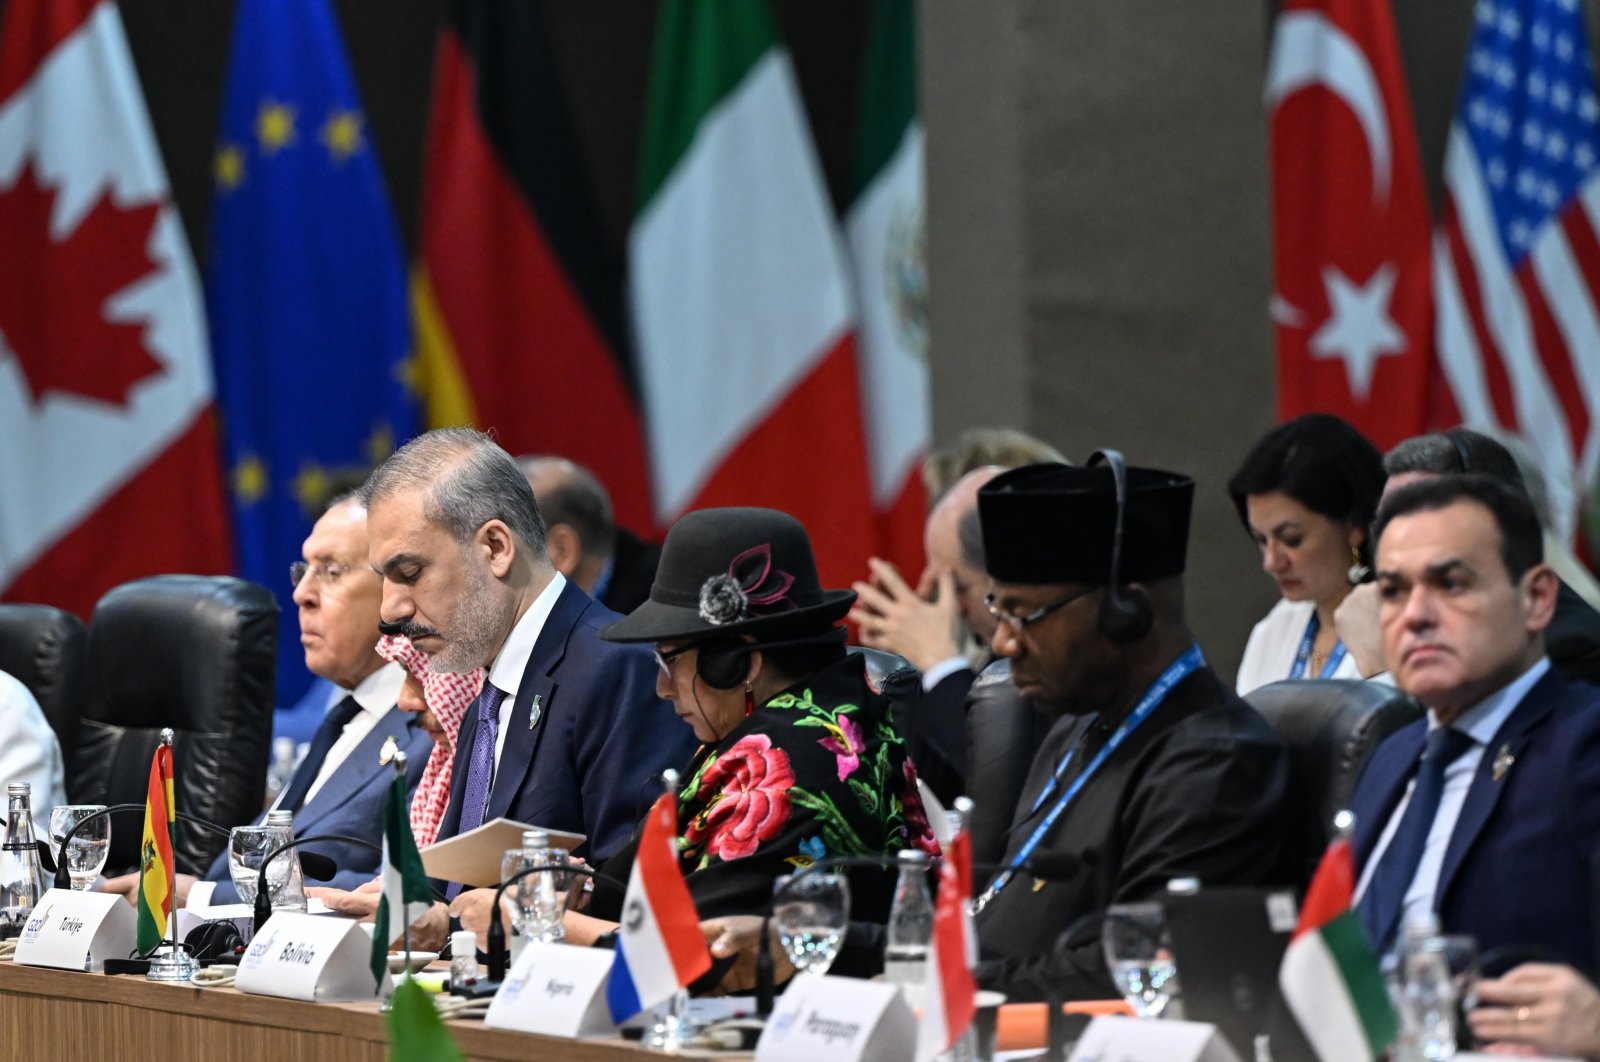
(497,930)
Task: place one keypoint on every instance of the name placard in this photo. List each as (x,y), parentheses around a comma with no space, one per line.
(556,990)
(311,957)
(77,930)
(1117,1039)
(842,1019)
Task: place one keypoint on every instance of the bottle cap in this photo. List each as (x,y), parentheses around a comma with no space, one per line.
(535,839)
(19,789)
(913,855)
(463,944)
(280,818)
(1183,886)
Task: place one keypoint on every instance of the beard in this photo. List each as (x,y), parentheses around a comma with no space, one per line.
(475,627)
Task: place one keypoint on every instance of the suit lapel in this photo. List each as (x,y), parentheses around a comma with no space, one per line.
(1407,753)
(356,771)
(1514,736)
(525,729)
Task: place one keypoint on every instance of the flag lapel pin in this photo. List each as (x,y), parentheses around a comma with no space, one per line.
(1503,761)
(386,754)
(535,711)
(1038,884)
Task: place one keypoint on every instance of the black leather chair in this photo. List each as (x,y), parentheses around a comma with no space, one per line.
(42,647)
(197,654)
(1331,726)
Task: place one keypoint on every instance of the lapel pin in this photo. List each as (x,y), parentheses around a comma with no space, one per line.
(390,747)
(1503,761)
(1038,884)
(535,712)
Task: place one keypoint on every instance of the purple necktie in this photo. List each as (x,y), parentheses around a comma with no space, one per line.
(480,765)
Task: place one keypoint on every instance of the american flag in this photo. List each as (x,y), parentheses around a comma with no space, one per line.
(1517,256)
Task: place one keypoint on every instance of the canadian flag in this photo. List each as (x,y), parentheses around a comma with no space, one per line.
(108,463)
(1353,299)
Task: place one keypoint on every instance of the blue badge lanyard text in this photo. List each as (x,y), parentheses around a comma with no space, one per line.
(1302,656)
(1191,661)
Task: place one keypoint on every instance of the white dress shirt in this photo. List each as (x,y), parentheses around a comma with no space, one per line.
(376,695)
(505,674)
(943,670)
(1481,722)
(29,752)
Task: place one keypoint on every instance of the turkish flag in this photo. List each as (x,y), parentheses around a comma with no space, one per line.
(108,460)
(1352,300)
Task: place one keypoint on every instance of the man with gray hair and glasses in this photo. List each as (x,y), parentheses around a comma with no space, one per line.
(568,732)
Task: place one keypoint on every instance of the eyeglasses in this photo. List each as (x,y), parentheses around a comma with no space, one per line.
(664,660)
(1017,623)
(326,574)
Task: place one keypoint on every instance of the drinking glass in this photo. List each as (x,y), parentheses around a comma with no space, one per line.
(247,847)
(86,855)
(538,901)
(1139,955)
(811,912)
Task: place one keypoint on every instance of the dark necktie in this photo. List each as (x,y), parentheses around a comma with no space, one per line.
(1386,891)
(480,765)
(332,725)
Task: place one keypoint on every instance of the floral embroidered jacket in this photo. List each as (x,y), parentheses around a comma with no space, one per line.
(817,771)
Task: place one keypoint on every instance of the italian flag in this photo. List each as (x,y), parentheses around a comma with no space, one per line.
(889,256)
(405,884)
(740,293)
(155,854)
(1330,978)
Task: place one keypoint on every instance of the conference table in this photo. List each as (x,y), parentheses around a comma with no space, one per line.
(64,1014)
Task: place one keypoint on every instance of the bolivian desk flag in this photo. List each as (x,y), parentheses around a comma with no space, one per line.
(155,858)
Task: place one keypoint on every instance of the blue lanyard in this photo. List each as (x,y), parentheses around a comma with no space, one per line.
(1187,664)
(1303,656)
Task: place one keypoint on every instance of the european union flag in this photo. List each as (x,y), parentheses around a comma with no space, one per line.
(307,293)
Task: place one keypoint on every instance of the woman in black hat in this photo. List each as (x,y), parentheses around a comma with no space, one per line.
(799,761)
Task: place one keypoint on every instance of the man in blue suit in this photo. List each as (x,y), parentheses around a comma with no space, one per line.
(341,783)
(568,732)
(1486,813)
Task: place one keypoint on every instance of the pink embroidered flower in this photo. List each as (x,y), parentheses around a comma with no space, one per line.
(918,832)
(845,743)
(751,782)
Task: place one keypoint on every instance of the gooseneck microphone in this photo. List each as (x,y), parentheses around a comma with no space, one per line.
(497,928)
(307,861)
(64,880)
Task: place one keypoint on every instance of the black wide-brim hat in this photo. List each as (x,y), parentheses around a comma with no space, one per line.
(730,572)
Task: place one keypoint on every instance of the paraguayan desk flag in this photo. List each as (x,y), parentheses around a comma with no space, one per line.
(659,946)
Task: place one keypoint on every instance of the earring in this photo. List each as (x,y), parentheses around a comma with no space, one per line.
(1358,572)
(749,700)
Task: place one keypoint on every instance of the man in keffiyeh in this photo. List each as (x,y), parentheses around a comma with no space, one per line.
(440,700)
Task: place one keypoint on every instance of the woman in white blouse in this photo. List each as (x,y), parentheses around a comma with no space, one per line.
(1307,493)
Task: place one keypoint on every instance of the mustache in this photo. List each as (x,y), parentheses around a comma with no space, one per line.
(407,629)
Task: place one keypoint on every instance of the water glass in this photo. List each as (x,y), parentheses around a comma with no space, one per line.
(811,912)
(539,900)
(85,857)
(1139,955)
(247,847)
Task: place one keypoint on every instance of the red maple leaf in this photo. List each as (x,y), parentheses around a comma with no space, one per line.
(53,293)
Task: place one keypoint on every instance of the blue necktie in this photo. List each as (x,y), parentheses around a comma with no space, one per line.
(328,732)
(480,765)
(1386,893)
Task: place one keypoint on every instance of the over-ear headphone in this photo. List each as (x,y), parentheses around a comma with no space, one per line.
(723,663)
(1125,612)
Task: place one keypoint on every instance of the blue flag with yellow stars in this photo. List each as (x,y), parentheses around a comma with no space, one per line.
(306,289)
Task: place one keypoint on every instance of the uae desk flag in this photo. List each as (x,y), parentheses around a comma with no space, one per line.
(156,889)
(740,294)
(108,456)
(889,259)
(950,995)
(659,945)
(1330,978)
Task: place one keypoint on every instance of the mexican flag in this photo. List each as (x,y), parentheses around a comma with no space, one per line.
(740,292)
(405,885)
(889,257)
(1330,978)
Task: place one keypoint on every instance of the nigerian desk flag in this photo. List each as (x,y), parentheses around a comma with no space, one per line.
(155,853)
(306,290)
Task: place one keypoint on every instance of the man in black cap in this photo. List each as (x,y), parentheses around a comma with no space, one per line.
(1154,769)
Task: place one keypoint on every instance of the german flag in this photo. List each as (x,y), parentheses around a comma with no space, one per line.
(518,303)
(155,862)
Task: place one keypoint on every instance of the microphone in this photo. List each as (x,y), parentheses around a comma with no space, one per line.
(497,929)
(322,863)
(64,881)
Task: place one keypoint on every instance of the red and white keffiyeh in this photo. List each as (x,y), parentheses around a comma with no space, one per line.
(448,696)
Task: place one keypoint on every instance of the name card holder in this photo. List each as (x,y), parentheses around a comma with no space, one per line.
(555,990)
(310,957)
(77,930)
(1118,1039)
(841,1019)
